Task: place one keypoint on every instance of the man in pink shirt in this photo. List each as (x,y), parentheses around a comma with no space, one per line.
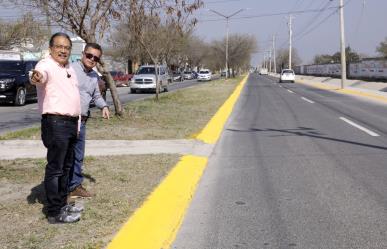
(59,104)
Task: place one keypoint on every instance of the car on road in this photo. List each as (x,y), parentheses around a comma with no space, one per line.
(15,85)
(121,78)
(263,71)
(188,75)
(194,75)
(204,75)
(287,75)
(145,79)
(177,77)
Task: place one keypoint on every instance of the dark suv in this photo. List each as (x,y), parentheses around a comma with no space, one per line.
(15,85)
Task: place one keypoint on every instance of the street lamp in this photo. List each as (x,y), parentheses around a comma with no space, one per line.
(227,18)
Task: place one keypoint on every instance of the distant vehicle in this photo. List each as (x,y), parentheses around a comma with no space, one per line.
(223,74)
(204,75)
(121,78)
(145,79)
(15,86)
(287,75)
(177,77)
(188,75)
(194,75)
(263,71)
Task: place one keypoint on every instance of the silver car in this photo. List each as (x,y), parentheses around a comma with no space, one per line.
(145,79)
(204,75)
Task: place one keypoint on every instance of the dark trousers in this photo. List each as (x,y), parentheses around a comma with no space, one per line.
(59,135)
(76,177)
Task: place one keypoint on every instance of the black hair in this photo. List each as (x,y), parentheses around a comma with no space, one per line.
(93,45)
(59,34)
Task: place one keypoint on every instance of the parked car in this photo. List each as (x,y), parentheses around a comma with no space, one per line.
(287,75)
(145,79)
(194,74)
(121,78)
(188,75)
(177,77)
(204,75)
(15,86)
(263,71)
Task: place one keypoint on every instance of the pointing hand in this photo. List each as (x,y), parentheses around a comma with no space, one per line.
(36,76)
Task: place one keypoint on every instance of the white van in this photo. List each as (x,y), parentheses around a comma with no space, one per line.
(145,79)
(263,71)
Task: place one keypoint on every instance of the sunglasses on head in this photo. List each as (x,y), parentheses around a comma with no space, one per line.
(93,57)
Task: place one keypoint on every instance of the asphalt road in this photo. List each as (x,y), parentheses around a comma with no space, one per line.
(15,117)
(296,167)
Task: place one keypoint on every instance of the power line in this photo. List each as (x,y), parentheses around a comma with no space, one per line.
(270,14)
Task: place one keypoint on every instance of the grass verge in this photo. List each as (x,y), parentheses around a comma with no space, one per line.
(121,184)
(177,115)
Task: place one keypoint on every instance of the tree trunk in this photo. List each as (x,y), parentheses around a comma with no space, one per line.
(157,79)
(113,89)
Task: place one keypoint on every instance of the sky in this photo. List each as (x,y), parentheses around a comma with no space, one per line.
(314,32)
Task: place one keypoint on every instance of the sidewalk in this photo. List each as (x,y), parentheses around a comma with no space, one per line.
(12,149)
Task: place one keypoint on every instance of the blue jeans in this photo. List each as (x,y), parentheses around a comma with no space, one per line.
(59,135)
(76,177)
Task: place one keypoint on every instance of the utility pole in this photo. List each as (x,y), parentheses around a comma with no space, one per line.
(270,60)
(342,46)
(290,40)
(227,73)
(275,65)
(227,18)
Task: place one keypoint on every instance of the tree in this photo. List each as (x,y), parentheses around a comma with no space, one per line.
(89,20)
(382,48)
(282,58)
(196,51)
(24,31)
(350,56)
(240,49)
(151,21)
(323,59)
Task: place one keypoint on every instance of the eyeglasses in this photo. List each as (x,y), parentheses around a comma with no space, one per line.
(91,56)
(61,47)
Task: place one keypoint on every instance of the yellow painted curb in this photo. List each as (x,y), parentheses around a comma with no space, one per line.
(211,132)
(155,224)
(345,91)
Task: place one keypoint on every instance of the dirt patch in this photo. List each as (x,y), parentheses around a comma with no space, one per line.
(121,183)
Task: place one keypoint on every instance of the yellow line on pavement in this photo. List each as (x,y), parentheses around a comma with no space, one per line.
(211,132)
(155,224)
(363,94)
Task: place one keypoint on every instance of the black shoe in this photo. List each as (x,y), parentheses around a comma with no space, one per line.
(64,217)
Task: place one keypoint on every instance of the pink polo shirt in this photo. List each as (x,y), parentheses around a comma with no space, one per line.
(58,93)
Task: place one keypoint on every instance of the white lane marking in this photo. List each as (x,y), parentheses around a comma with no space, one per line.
(308,100)
(290,91)
(371,133)
(280,86)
